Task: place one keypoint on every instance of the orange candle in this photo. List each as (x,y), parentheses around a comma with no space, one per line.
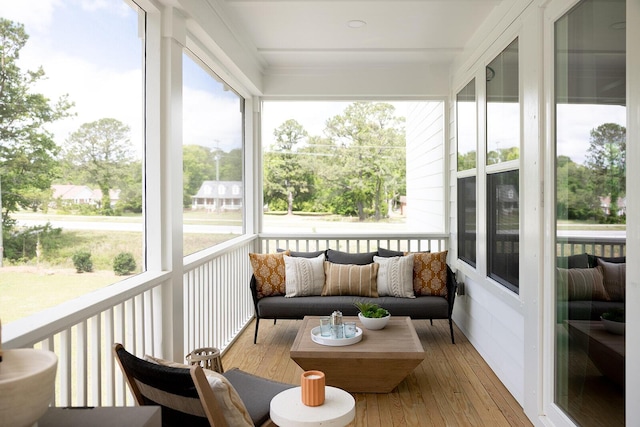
(312,383)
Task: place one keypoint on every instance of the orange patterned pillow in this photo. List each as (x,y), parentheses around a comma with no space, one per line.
(269,270)
(430,273)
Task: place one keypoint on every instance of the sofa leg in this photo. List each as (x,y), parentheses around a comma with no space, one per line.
(274,321)
(451,329)
(255,335)
(431,320)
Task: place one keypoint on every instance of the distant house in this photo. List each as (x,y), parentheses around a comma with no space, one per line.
(605,205)
(218,196)
(114,196)
(70,194)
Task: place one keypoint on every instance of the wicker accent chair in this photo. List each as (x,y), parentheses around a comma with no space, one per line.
(185,396)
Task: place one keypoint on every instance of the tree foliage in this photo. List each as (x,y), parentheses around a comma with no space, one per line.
(101,149)
(356,168)
(27,153)
(606,157)
(371,153)
(286,175)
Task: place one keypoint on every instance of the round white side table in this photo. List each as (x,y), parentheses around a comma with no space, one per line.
(338,409)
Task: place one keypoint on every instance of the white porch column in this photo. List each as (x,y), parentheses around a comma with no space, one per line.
(170,181)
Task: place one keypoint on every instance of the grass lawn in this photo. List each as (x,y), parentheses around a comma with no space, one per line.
(27,290)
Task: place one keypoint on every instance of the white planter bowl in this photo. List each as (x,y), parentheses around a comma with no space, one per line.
(613,327)
(373,323)
(27,385)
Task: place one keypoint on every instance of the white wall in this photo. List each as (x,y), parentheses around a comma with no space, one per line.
(426,180)
(491,316)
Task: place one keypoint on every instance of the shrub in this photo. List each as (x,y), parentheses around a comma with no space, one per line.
(124,264)
(82,261)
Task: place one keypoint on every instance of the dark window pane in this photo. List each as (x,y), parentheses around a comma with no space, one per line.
(503,240)
(467,220)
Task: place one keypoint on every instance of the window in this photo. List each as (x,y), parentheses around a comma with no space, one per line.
(590,170)
(503,107)
(344,164)
(77,206)
(503,152)
(467,220)
(466,127)
(503,228)
(213,138)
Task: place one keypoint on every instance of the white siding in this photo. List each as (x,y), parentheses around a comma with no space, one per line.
(426,184)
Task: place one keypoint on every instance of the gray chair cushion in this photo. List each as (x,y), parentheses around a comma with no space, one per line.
(256,392)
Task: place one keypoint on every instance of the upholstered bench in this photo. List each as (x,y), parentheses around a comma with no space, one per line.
(291,285)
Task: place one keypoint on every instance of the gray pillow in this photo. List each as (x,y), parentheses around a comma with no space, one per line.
(386,253)
(615,278)
(339,257)
(298,254)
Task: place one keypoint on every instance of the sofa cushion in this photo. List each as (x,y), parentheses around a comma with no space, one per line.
(593,259)
(299,254)
(573,261)
(589,310)
(615,279)
(350,279)
(339,257)
(430,273)
(580,284)
(395,276)
(232,406)
(269,270)
(386,253)
(304,276)
(424,307)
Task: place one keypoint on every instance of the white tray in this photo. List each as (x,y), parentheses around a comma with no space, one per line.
(336,342)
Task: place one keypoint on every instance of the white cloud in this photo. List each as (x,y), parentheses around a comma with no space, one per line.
(211,121)
(36,15)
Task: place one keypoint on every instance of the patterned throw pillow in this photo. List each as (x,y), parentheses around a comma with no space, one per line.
(395,276)
(430,273)
(350,279)
(269,270)
(233,409)
(615,279)
(304,276)
(586,284)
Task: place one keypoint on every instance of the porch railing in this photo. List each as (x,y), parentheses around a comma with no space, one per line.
(216,301)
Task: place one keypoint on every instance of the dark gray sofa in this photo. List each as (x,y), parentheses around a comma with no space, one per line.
(422,307)
(587,309)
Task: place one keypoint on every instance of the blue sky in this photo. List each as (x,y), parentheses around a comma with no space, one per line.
(90,49)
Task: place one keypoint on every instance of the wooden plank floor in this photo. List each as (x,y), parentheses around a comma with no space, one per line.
(453,386)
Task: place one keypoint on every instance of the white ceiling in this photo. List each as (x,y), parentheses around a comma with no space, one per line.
(308,34)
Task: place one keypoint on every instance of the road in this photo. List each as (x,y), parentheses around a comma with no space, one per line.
(134,226)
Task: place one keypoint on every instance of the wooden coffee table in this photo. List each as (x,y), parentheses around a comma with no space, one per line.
(377,364)
(606,350)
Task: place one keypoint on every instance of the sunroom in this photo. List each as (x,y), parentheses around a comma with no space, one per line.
(505,102)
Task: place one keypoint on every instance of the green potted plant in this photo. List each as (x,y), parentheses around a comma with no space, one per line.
(614,321)
(371,315)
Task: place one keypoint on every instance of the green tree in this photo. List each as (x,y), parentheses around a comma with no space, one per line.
(198,165)
(101,150)
(370,156)
(607,157)
(27,150)
(130,199)
(575,198)
(285,174)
